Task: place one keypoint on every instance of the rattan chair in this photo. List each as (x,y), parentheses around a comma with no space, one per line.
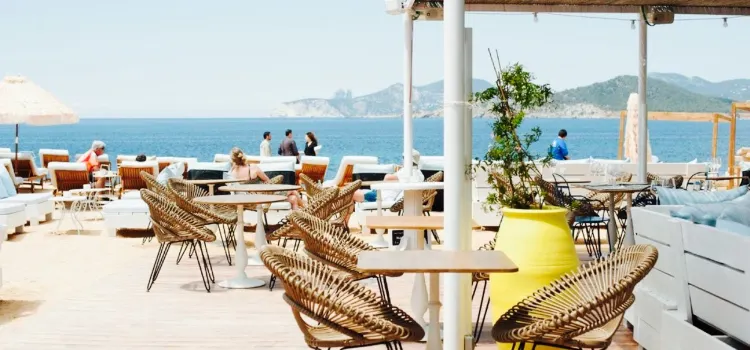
(311,188)
(174,225)
(582,309)
(337,248)
(331,310)
(223,216)
(344,205)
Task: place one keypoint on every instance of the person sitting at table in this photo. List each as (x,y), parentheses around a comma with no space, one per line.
(242,171)
(92,162)
(391,195)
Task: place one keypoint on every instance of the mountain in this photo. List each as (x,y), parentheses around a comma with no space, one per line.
(427,101)
(666,92)
(735,89)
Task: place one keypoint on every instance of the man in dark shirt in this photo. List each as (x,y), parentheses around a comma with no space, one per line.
(288,147)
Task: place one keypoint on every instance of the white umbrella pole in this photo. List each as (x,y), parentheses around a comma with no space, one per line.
(466,214)
(642,107)
(453,142)
(408,121)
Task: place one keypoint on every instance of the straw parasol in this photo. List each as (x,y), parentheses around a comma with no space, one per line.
(23,102)
(630,146)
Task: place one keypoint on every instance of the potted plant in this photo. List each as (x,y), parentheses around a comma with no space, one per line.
(535,236)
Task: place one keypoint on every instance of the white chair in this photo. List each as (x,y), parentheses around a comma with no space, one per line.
(344,174)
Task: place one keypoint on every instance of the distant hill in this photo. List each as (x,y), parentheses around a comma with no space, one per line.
(666,92)
(735,89)
(427,101)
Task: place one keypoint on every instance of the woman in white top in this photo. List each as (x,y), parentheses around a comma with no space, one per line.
(242,171)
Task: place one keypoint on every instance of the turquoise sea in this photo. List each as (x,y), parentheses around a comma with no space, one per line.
(202,138)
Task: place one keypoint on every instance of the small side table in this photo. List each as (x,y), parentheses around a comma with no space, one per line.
(76,203)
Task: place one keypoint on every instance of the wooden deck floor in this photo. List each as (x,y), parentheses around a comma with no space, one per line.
(100,299)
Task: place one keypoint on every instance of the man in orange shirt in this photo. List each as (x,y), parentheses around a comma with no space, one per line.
(92,163)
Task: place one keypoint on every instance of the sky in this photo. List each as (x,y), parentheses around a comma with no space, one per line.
(238,58)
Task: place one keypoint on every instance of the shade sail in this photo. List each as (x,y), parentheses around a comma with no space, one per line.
(23,102)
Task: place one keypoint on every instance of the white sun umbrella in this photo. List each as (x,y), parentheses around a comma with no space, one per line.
(23,102)
(631,131)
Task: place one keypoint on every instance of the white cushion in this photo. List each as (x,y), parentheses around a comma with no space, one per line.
(173,171)
(288,166)
(222,158)
(29,198)
(171,160)
(210,166)
(280,159)
(435,165)
(126,206)
(11,208)
(56,152)
(4,150)
(131,158)
(131,195)
(280,206)
(374,205)
(315,160)
(374,169)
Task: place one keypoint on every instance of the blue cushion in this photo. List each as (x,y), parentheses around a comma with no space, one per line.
(671,196)
(8,186)
(734,227)
(703,214)
(736,213)
(685,213)
(705,219)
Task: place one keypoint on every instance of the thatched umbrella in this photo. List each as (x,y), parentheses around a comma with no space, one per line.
(23,102)
(630,145)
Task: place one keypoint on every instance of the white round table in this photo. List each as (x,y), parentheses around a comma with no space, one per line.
(76,203)
(413,240)
(240,201)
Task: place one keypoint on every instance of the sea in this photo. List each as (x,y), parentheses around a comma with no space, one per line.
(383,138)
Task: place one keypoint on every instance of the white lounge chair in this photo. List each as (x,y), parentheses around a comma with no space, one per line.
(68,176)
(12,215)
(53,155)
(37,206)
(344,174)
(167,161)
(26,168)
(130,174)
(131,158)
(314,167)
(125,213)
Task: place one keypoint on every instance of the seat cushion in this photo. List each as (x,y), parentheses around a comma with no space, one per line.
(670,196)
(8,186)
(131,195)
(126,206)
(374,205)
(29,198)
(11,208)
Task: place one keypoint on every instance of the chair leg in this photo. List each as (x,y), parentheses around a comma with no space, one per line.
(484,305)
(202,266)
(161,255)
(183,248)
(207,260)
(225,243)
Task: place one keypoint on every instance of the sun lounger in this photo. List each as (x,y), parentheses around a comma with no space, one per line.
(53,155)
(131,158)
(37,206)
(26,168)
(130,174)
(68,176)
(8,164)
(167,161)
(314,167)
(344,174)
(125,213)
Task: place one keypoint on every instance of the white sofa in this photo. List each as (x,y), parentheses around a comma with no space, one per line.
(702,272)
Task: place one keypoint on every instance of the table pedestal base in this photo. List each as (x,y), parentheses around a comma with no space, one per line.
(242,282)
(260,239)
(379,241)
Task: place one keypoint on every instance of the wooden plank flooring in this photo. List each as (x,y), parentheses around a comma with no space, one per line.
(103,303)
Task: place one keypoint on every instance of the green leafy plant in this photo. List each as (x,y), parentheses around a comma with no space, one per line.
(509,163)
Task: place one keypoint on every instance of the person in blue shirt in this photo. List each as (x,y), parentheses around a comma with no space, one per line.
(559,149)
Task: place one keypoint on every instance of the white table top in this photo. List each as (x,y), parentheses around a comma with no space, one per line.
(408,186)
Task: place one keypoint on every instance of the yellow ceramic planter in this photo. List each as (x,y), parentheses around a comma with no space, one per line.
(540,244)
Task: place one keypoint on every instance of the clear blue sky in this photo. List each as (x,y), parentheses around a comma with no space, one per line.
(180,58)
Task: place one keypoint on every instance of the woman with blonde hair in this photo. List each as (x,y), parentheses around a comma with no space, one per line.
(242,171)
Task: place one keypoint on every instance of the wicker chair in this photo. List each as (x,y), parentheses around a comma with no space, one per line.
(337,248)
(344,205)
(343,313)
(428,200)
(581,309)
(174,225)
(482,278)
(225,217)
(309,185)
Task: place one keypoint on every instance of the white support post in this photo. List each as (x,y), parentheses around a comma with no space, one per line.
(466,214)
(454,106)
(642,107)
(408,121)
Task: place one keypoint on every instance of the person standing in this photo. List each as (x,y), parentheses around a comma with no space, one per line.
(265,145)
(310,143)
(288,147)
(559,149)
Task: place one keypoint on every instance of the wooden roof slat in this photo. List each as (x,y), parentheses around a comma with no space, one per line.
(690,7)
